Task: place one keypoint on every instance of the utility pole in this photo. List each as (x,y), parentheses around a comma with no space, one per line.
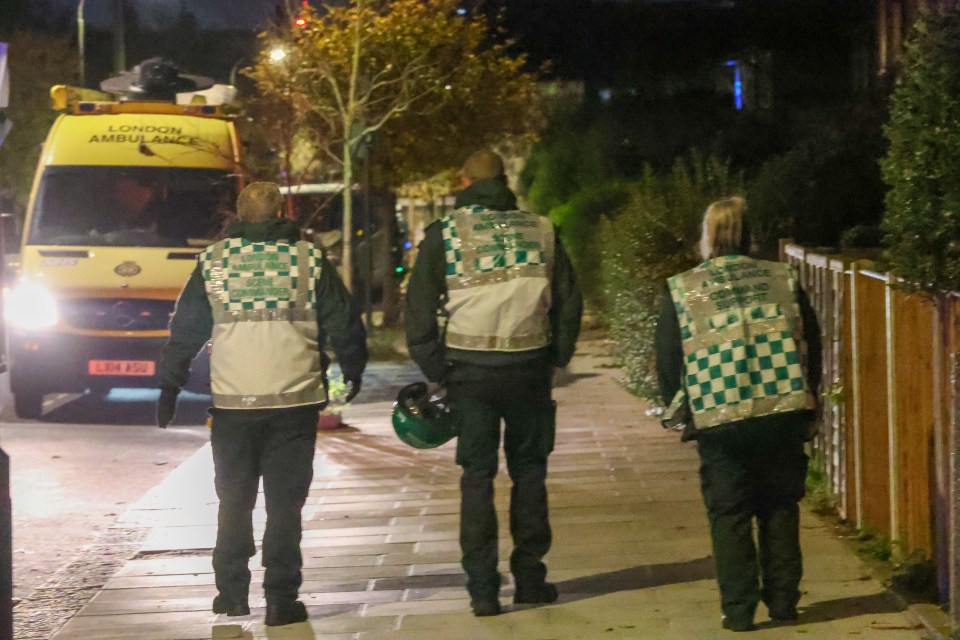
(119,33)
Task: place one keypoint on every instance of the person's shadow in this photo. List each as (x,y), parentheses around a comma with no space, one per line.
(641,577)
(297,631)
(849,607)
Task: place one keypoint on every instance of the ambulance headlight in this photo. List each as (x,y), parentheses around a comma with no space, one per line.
(30,305)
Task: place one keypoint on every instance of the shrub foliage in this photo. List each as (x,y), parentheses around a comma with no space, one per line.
(579,221)
(652,237)
(922,221)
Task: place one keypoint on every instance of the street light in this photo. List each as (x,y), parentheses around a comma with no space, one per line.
(276,54)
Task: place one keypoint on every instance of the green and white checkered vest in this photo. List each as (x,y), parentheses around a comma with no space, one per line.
(263,297)
(499,265)
(742,339)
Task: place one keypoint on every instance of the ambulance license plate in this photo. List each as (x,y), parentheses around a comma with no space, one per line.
(121,367)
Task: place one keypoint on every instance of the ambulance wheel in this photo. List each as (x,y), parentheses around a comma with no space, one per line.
(28,403)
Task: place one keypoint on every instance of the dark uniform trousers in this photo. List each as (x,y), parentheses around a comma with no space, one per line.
(755,470)
(520,397)
(277,444)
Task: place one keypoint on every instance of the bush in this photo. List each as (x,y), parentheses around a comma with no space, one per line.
(922,221)
(861,236)
(828,182)
(773,196)
(652,237)
(588,146)
(578,221)
(573,155)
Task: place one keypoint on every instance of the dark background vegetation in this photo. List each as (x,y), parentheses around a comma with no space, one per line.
(651,88)
(654,87)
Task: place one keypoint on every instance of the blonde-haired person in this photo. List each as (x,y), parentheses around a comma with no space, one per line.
(738,348)
(266,300)
(721,232)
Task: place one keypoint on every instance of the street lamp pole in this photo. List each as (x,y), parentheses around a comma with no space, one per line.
(119,34)
(233,72)
(81,37)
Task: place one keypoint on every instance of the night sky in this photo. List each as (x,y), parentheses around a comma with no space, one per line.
(210,13)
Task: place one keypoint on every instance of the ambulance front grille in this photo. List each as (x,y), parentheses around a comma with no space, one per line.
(116,314)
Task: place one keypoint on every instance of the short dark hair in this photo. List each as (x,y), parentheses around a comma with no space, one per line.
(483,165)
(259,201)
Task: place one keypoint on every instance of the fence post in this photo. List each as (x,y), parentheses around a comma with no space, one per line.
(782,248)
(838,319)
(855,395)
(817,289)
(939,331)
(893,438)
(954,329)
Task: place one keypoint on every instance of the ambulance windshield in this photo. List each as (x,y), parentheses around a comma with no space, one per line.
(131,206)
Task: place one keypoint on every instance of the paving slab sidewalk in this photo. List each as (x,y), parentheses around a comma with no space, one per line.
(631,554)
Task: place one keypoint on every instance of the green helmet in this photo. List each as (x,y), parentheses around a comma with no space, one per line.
(420,420)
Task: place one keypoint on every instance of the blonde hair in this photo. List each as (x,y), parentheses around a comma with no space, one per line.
(722,231)
(259,201)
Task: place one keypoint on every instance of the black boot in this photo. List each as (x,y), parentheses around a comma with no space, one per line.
(736,625)
(543,593)
(286,612)
(485,606)
(230,606)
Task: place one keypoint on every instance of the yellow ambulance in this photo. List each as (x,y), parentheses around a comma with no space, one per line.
(125,196)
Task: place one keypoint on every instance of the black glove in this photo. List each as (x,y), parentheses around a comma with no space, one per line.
(167,406)
(355,384)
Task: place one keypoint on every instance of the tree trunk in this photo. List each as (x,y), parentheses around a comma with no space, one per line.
(347,254)
(390,302)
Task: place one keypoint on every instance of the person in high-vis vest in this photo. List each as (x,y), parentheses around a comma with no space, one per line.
(492,309)
(738,349)
(266,301)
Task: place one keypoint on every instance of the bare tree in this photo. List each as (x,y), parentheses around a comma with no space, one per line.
(350,71)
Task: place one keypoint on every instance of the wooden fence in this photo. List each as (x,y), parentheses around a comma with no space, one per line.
(890,435)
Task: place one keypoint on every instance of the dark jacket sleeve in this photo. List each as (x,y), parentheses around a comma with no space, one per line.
(190,328)
(425,291)
(811,335)
(339,319)
(566,310)
(669,349)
